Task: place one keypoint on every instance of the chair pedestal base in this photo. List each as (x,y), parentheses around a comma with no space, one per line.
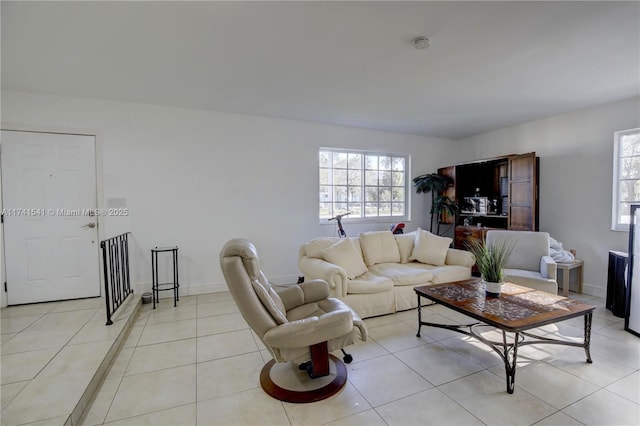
(285,382)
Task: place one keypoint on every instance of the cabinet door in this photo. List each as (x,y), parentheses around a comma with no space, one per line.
(450,192)
(523,192)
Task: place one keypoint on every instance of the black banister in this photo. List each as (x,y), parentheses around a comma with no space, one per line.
(115,261)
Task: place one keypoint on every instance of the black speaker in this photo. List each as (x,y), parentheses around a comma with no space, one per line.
(617,283)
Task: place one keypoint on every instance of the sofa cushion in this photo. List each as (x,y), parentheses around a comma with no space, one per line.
(430,249)
(271,301)
(345,255)
(449,273)
(379,247)
(316,245)
(369,283)
(403,274)
(405,245)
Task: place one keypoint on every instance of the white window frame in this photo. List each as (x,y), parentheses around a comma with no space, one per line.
(355,219)
(618,225)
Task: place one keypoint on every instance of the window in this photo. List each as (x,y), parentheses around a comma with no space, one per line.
(626,177)
(369,185)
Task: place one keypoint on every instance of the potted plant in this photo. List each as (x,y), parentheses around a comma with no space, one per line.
(435,184)
(444,205)
(491,261)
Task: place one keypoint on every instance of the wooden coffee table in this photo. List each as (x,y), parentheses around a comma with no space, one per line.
(516,310)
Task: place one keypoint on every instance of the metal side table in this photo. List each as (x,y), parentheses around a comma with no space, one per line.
(156,286)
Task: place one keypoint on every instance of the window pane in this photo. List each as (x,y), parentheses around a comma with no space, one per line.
(371,194)
(340,193)
(325,159)
(355,194)
(340,160)
(385,178)
(371,177)
(398,164)
(325,211)
(355,177)
(397,179)
(355,209)
(630,167)
(397,209)
(384,209)
(325,194)
(324,177)
(630,145)
(371,162)
(355,161)
(385,194)
(385,162)
(398,194)
(371,209)
(629,190)
(339,176)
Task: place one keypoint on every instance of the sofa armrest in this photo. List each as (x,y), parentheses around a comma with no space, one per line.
(313,268)
(460,257)
(548,267)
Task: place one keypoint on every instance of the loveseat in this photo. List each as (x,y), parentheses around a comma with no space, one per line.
(375,273)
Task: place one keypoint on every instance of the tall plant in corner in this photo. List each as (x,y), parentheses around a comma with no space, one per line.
(435,184)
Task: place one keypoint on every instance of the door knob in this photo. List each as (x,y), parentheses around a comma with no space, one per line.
(89,225)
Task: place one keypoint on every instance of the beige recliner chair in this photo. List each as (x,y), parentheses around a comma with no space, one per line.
(299,325)
(530,263)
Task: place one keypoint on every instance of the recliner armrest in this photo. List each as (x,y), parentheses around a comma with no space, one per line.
(548,267)
(310,331)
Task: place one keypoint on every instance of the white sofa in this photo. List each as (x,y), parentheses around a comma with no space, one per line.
(375,273)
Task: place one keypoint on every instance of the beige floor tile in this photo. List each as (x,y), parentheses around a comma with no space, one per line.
(626,353)
(171,314)
(162,355)
(552,385)
(154,391)
(628,387)
(77,305)
(188,300)
(381,320)
(77,359)
(10,391)
(228,375)
(97,332)
(397,336)
(6,337)
(436,333)
(605,407)
(558,419)
(437,363)
(473,350)
(223,345)
(213,297)
(485,396)
(346,403)
(419,409)
(99,407)
(24,366)
(167,332)
(251,407)
(601,372)
(363,351)
(220,324)
(384,379)
(184,415)
(366,418)
(133,336)
(62,320)
(217,308)
(17,324)
(37,340)
(120,363)
(25,310)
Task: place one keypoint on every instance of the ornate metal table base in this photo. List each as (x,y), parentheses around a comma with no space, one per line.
(508,351)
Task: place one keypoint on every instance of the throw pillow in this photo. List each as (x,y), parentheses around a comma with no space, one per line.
(270,299)
(379,247)
(405,245)
(430,249)
(314,246)
(345,255)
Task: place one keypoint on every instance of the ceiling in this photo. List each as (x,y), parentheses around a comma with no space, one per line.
(490,64)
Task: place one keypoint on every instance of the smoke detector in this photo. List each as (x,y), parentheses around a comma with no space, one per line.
(420,42)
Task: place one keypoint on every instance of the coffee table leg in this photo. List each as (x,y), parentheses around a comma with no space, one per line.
(510,361)
(587,336)
(419,316)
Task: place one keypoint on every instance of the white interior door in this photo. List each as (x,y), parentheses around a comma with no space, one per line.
(51,238)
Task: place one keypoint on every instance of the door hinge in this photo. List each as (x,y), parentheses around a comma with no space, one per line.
(2,218)
(5,286)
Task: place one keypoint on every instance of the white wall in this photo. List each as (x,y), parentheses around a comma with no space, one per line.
(197,178)
(576,169)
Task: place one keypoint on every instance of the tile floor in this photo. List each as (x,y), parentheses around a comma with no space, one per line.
(198,364)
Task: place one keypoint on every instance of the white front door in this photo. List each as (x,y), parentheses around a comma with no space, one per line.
(50,232)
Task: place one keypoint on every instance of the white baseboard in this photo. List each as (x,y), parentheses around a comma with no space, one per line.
(593,290)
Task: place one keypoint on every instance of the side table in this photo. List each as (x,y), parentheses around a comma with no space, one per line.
(156,286)
(566,268)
